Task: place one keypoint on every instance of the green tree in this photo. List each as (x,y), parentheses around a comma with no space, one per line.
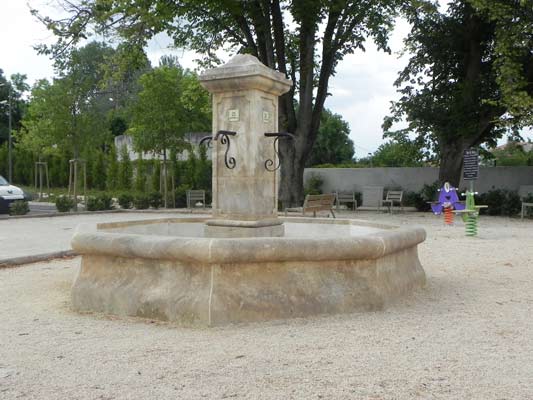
(98,172)
(140,174)
(405,153)
(205,172)
(69,113)
(513,59)
(304,39)
(112,169)
(12,93)
(453,91)
(125,175)
(191,177)
(512,154)
(170,104)
(156,175)
(333,144)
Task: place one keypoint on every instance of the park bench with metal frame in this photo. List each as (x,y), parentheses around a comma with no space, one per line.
(393,196)
(193,196)
(524,192)
(346,198)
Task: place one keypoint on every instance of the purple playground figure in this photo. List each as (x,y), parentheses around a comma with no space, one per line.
(448,201)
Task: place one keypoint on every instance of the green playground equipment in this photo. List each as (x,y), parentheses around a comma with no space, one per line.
(470,217)
(470,213)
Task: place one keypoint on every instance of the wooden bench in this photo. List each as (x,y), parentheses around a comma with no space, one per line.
(193,196)
(346,198)
(315,203)
(393,196)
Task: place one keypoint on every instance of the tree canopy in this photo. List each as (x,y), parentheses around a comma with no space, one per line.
(305,39)
(70,112)
(400,153)
(333,144)
(11,91)
(170,104)
(464,79)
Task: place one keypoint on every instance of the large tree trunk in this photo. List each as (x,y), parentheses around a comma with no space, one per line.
(291,187)
(451,161)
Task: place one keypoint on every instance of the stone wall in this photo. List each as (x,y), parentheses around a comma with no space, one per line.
(412,179)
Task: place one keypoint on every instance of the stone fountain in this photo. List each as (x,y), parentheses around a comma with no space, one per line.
(244,263)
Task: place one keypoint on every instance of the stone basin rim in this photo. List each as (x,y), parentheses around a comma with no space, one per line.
(88,240)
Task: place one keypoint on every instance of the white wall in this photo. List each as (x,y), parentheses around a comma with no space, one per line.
(412,179)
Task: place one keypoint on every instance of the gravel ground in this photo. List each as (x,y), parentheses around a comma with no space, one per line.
(467,335)
(30,236)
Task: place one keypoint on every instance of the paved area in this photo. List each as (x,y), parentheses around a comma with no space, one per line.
(467,335)
(22,237)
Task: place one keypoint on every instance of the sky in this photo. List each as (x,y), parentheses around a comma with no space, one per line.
(362,88)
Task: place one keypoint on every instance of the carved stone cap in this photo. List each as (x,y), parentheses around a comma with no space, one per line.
(244,72)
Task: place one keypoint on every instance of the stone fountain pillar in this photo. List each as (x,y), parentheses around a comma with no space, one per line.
(245,107)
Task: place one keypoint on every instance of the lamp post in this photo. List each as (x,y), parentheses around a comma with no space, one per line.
(9,145)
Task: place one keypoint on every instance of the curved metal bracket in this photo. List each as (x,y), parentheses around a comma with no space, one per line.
(208,141)
(224,140)
(269,164)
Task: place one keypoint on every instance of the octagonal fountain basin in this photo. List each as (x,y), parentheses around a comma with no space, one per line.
(167,269)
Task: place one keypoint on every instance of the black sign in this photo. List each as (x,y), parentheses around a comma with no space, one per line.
(470,164)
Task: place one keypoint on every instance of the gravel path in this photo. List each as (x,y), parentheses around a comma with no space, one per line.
(467,335)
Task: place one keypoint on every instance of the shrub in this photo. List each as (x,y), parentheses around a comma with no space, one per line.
(314,185)
(500,202)
(64,204)
(92,204)
(156,199)
(494,200)
(181,195)
(427,194)
(141,201)
(106,201)
(100,203)
(414,199)
(512,204)
(19,207)
(125,200)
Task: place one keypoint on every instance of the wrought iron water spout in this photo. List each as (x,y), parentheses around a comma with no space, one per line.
(224,140)
(269,164)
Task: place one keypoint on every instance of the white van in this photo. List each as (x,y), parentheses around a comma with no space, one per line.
(8,194)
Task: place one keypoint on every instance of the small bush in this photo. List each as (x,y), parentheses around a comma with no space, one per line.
(64,204)
(141,201)
(500,202)
(99,203)
(125,200)
(494,200)
(106,201)
(314,185)
(512,204)
(92,204)
(19,207)
(156,199)
(427,194)
(414,199)
(181,196)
